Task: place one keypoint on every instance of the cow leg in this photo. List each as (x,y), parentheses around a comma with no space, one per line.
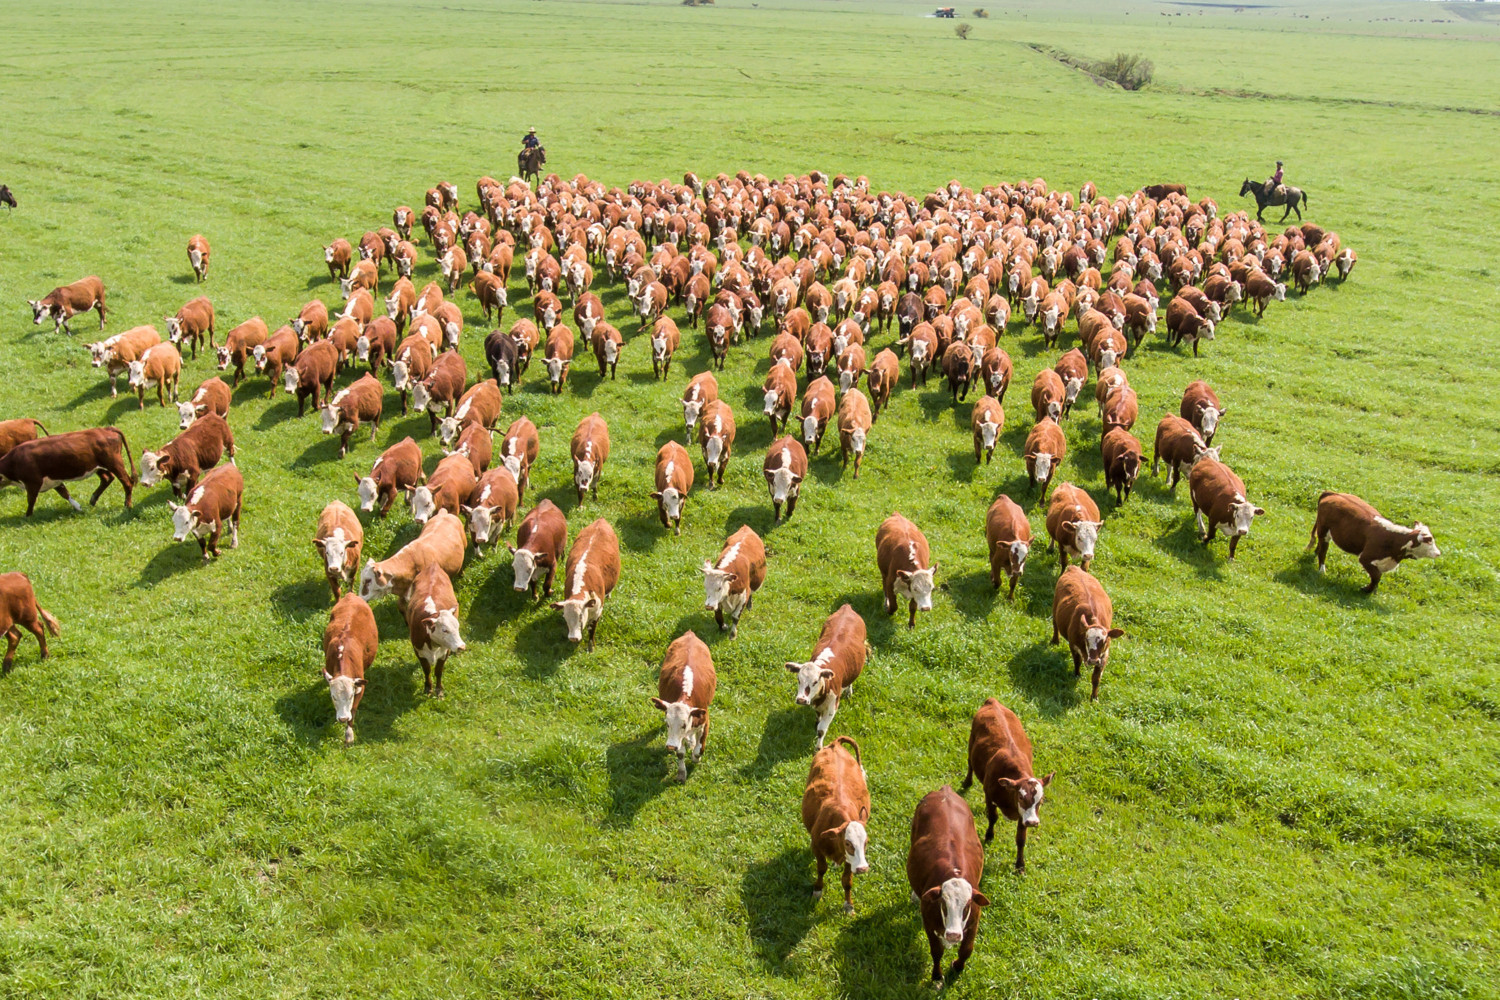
(234,526)
(911,618)
(547,585)
(848,881)
(1077,659)
(1234,542)
(1369,568)
(593,627)
(1013,581)
(426,676)
(825,719)
(776,511)
(12,640)
(991,814)
(890,599)
(818,885)
(935,947)
(791,505)
(1098,673)
(1020,847)
(439,671)
(719,618)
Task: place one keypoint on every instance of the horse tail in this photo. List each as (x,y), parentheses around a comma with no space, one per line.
(1304,195)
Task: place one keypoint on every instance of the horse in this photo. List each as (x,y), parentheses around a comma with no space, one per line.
(6,198)
(529,163)
(1283,194)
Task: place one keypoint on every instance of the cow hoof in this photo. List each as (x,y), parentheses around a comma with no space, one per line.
(817,894)
(848,909)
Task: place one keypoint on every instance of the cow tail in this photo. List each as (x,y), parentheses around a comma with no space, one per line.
(39,427)
(848,741)
(129,458)
(47,620)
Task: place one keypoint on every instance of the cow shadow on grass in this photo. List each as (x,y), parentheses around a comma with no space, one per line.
(185,279)
(963,467)
(174,558)
(777,895)
(324,450)
(1044,674)
(121,406)
(497,601)
(972,595)
(542,644)
(301,600)
(45,513)
(1338,588)
(788,734)
(99,390)
(879,626)
(276,413)
(246,391)
(1183,544)
(760,518)
(390,692)
(879,948)
(640,769)
(642,530)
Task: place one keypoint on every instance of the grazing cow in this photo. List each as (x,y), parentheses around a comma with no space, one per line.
(18,610)
(215,500)
(193,322)
(559,357)
(701,390)
(313,369)
(1073,524)
(906,569)
(730,583)
(480,407)
(1201,408)
(590,450)
(837,661)
(943,869)
(854,420)
(1000,755)
(442,542)
(1082,613)
(960,368)
(784,468)
(881,377)
(540,540)
(432,623)
(53,461)
(14,432)
(1047,395)
(160,366)
(440,390)
(518,450)
(1218,497)
(398,469)
(835,809)
(1358,529)
(198,251)
(311,322)
(116,354)
(339,540)
(592,572)
(447,489)
(674,479)
(273,356)
(987,421)
(363,401)
(1007,534)
(606,342)
(1185,323)
(664,341)
(817,409)
(338,255)
(716,436)
(66,301)
(349,645)
(1122,461)
(500,355)
(780,388)
(239,346)
(492,507)
(1044,451)
(684,691)
(184,459)
(1178,444)
(1073,370)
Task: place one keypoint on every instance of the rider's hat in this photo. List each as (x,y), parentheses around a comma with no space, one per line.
(532,130)
(1278,162)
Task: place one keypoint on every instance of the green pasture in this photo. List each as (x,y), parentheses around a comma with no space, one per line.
(1286,789)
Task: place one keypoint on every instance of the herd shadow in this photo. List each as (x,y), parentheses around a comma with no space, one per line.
(786,736)
(640,769)
(777,895)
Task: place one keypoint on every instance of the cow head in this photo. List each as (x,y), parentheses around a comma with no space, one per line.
(375,582)
(812,678)
(855,839)
(174,329)
(346,288)
(225,358)
(810,426)
(583,474)
(953,900)
(524,563)
(39,312)
(1029,795)
(555,369)
(1096,639)
(442,628)
(989,432)
(331,416)
(291,378)
(857,439)
(579,612)
(916,585)
(1041,466)
(185,521)
(713,450)
(717,585)
(99,353)
(1085,538)
(421,397)
(422,504)
(784,483)
(773,397)
(187,413)
(1019,550)
(346,693)
(152,471)
(1208,419)
(400,375)
(849,378)
(328,254)
(681,718)
(334,549)
(368,491)
(137,378)
(448,431)
(670,500)
(482,524)
(1422,544)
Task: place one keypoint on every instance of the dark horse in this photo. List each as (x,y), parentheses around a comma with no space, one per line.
(6,198)
(1285,194)
(529,163)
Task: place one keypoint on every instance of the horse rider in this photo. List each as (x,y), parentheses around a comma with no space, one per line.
(530,141)
(1275,180)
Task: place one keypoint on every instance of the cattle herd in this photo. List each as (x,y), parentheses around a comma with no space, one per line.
(821,265)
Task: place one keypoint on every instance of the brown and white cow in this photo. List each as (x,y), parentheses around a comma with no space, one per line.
(312,370)
(607,343)
(19,609)
(1000,755)
(159,366)
(592,572)
(49,463)
(365,276)
(835,809)
(558,357)
(1073,524)
(217,499)
(590,450)
(943,868)
(192,451)
(1082,613)
(311,322)
(193,322)
(66,301)
(440,391)
(1007,534)
(854,423)
(518,451)
(477,444)
(1073,370)
(397,469)
(361,402)
(338,255)
(986,421)
(881,377)
(780,389)
(1357,528)
(273,356)
(448,488)
(730,583)
(491,507)
(716,431)
(442,542)
(432,623)
(349,645)
(674,479)
(1178,443)
(479,406)
(240,344)
(1121,453)
(1044,451)
(211,396)
(1218,497)
(906,568)
(1184,322)
(701,390)
(1048,395)
(1108,380)
(817,409)
(995,372)
(540,540)
(837,660)
(1202,409)
(1121,408)
(784,468)
(198,251)
(684,691)
(411,363)
(14,432)
(339,539)
(116,353)
(665,339)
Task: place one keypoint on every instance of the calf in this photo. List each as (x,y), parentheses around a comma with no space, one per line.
(440,390)
(784,468)
(193,322)
(1082,613)
(364,400)
(674,478)
(1201,408)
(540,540)
(730,583)
(217,499)
(664,341)
(159,366)
(51,462)
(943,869)
(606,342)
(701,390)
(116,354)
(1000,755)
(273,356)
(837,661)
(313,369)
(398,469)
(349,645)
(684,691)
(592,572)
(590,450)
(716,435)
(192,451)
(432,623)
(1073,524)
(198,251)
(441,542)
(518,450)
(906,569)
(881,377)
(492,507)
(339,540)
(1007,535)
(479,407)
(559,357)
(835,809)
(239,346)
(1178,443)
(780,388)
(987,421)
(14,432)
(1047,395)
(211,396)
(448,488)
(1044,451)
(1122,461)
(1358,529)
(18,610)
(854,420)
(1218,497)
(66,301)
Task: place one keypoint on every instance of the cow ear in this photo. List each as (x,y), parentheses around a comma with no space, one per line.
(359,683)
(327,676)
(698,715)
(656,495)
(466,509)
(904,574)
(980,899)
(556,605)
(825,674)
(357,480)
(1047,778)
(1117,633)
(931,895)
(318,544)
(1260,511)
(659,704)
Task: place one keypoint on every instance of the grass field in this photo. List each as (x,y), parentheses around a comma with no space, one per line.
(1287,789)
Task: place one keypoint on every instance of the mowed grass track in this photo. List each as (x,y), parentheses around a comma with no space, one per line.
(1286,788)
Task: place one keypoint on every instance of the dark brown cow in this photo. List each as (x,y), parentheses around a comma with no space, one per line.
(1007,534)
(592,572)
(349,645)
(192,451)
(397,469)
(835,809)
(1082,613)
(18,610)
(1122,461)
(837,661)
(66,301)
(730,583)
(1000,754)
(684,691)
(214,501)
(906,569)
(53,461)
(540,540)
(943,868)
(1358,529)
